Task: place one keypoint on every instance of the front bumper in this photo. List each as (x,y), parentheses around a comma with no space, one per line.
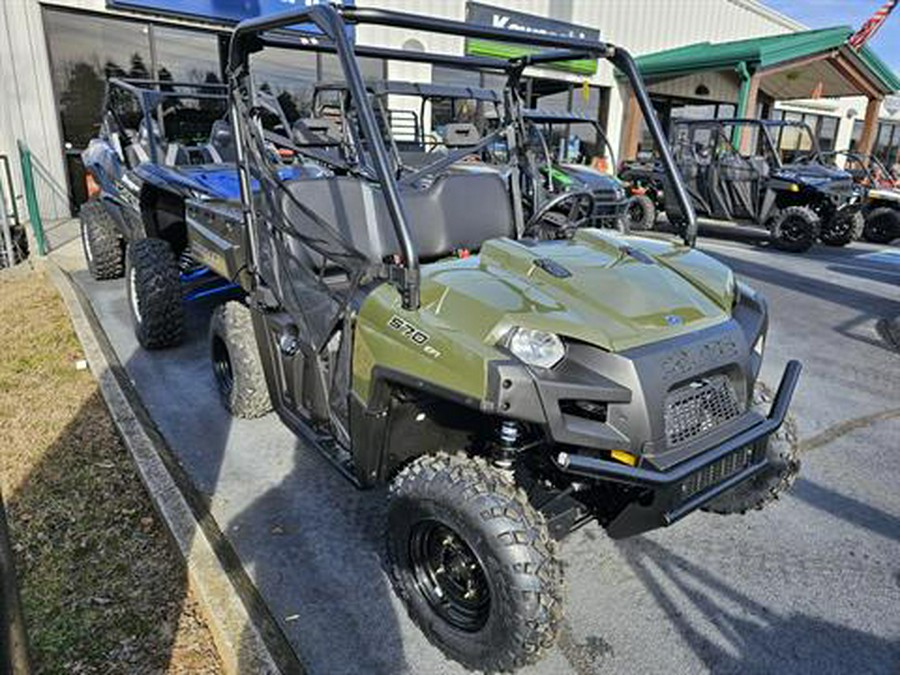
(718,470)
(607,211)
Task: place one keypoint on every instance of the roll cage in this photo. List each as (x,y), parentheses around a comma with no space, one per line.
(867,167)
(149,95)
(255,34)
(765,136)
(539,116)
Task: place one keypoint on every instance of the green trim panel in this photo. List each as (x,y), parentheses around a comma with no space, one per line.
(503,50)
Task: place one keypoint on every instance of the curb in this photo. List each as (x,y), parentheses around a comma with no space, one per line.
(238,640)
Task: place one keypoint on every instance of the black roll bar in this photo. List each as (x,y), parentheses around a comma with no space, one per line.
(624,62)
(331,21)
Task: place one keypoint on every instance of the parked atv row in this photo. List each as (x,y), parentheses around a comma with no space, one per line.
(439,308)
(160,143)
(734,172)
(882,210)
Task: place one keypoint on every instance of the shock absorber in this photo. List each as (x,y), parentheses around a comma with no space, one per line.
(509,437)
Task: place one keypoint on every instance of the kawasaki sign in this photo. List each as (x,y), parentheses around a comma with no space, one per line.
(519,22)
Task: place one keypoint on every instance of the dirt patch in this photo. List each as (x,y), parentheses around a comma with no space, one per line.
(103,588)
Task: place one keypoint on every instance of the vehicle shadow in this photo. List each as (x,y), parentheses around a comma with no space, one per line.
(847,508)
(301,544)
(887,274)
(314,544)
(731,633)
(867,306)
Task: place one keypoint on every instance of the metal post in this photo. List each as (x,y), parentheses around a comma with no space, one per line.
(14,209)
(4,229)
(14,658)
(34,213)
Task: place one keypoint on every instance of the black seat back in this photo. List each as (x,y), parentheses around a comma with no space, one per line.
(221,142)
(455,212)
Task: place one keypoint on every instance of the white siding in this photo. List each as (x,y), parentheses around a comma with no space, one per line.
(27,110)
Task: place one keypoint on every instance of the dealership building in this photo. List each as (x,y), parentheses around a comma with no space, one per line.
(701,58)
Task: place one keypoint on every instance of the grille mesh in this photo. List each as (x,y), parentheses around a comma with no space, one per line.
(721,470)
(699,407)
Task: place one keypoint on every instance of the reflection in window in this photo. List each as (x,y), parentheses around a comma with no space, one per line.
(289,76)
(883,142)
(186,56)
(827,133)
(84,51)
(856,137)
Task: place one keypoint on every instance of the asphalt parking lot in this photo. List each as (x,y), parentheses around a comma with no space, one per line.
(811,585)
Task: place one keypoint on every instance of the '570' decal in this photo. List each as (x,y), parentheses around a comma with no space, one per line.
(408,330)
(413,334)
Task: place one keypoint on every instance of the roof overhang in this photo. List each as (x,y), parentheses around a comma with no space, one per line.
(791,66)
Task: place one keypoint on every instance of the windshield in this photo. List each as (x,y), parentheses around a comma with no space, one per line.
(795,143)
(571,142)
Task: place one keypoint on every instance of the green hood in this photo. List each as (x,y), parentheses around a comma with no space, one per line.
(620,293)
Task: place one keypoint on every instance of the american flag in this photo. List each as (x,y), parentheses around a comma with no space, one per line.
(870,27)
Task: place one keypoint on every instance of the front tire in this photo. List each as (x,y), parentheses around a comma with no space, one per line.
(842,229)
(236,361)
(783,451)
(640,213)
(795,228)
(473,562)
(882,225)
(153,286)
(103,248)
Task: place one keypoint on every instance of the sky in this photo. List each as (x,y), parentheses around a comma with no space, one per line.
(827,13)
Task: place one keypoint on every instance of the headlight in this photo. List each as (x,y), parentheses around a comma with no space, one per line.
(760,345)
(536,347)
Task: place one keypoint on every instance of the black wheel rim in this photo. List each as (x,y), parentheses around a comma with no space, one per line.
(794,229)
(449,576)
(635,212)
(222,366)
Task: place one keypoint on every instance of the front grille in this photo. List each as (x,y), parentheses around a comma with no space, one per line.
(722,469)
(699,407)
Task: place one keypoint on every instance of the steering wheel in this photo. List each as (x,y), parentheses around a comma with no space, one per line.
(581,208)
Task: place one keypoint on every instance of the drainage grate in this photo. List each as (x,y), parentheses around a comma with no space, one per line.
(699,407)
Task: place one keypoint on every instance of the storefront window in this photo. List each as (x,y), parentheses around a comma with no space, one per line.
(857,134)
(726,111)
(884,148)
(84,51)
(827,133)
(289,76)
(186,56)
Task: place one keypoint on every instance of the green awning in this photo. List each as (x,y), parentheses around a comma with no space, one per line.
(762,53)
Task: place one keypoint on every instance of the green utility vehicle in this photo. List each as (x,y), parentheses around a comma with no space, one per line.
(508,372)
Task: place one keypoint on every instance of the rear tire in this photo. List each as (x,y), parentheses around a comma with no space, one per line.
(236,362)
(842,229)
(104,249)
(882,225)
(794,228)
(783,450)
(153,286)
(473,562)
(640,213)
